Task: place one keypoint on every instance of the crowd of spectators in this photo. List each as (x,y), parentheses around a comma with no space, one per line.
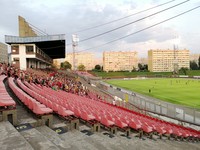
(49,78)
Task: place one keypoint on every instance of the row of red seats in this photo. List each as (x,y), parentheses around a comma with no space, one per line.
(58,102)
(80,108)
(109,115)
(112,115)
(35,106)
(46,99)
(5,99)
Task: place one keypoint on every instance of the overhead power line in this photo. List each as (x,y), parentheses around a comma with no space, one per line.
(37,30)
(132,22)
(180,14)
(103,24)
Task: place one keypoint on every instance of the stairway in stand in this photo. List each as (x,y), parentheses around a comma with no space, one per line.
(37,140)
(11,139)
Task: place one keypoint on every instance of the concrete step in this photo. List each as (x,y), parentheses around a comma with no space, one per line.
(76,140)
(84,139)
(1,117)
(53,137)
(24,117)
(11,139)
(37,140)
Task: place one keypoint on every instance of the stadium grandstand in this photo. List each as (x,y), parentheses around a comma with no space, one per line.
(34,48)
(51,109)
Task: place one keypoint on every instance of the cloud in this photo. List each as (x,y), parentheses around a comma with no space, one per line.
(67,17)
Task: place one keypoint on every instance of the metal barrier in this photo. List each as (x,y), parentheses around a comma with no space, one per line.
(145,103)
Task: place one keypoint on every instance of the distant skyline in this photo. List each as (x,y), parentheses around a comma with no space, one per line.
(69,16)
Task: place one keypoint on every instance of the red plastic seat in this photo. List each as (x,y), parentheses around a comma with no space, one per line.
(41,110)
(107,122)
(125,120)
(147,129)
(8,102)
(160,130)
(49,104)
(63,112)
(168,130)
(177,132)
(30,102)
(66,105)
(97,117)
(71,108)
(87,117)
(120,124)
(77,112)
(109,117)
(55,107)
(185,134)
(135,125)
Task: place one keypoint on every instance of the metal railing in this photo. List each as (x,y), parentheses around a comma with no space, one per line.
(148,104)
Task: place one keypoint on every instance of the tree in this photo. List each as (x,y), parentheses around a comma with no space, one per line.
(134,69)
(65,65)
(140,67)
(97,67)
(199,61)
(145,67)
(193,65)
(62,65)
(81,67)
(183,70)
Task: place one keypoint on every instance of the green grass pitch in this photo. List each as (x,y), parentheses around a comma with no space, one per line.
(179,91)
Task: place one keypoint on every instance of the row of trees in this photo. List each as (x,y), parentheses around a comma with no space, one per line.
(66,65)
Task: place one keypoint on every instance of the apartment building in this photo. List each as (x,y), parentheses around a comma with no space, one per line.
(120,60)
(168,60)
(86,59)
(3,53)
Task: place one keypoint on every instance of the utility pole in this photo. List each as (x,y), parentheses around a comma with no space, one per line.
(75,41)
(175,55)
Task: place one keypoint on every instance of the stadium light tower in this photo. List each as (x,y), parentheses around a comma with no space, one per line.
(75,41)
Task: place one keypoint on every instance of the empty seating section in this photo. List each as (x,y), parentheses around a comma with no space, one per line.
(5,99)
(68,104)
(35,106)
(108,115)
(47,99)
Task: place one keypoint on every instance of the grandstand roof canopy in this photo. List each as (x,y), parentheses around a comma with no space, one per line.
(52,45)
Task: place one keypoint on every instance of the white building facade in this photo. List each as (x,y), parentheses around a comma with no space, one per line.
(3,53)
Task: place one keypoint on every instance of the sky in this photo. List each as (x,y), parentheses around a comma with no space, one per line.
(70,16)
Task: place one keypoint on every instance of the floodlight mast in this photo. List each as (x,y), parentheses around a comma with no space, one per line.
(75,41)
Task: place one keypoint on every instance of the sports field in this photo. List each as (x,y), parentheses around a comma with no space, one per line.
(178,91)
